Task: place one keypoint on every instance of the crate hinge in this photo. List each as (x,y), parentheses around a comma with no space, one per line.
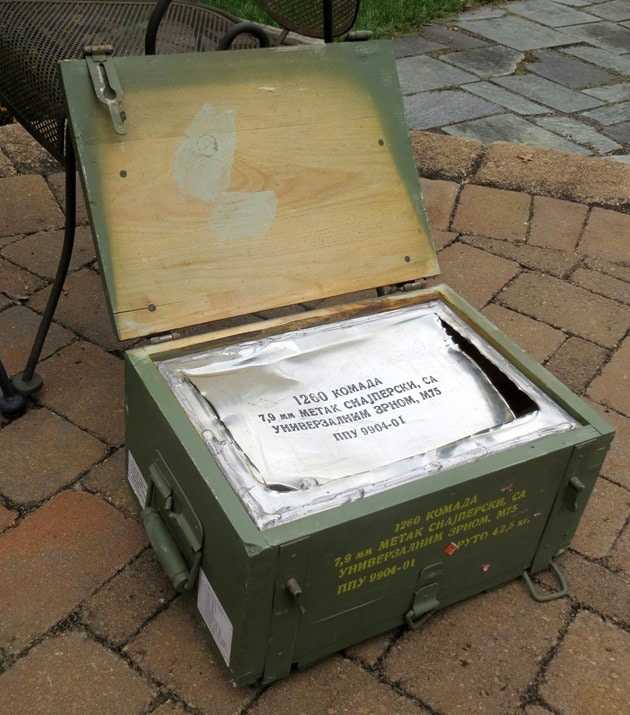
(100,62)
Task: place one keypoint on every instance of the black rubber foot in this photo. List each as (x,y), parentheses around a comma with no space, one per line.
(27,387)
(12,406)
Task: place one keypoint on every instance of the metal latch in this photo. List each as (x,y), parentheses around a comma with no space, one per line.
(425,599)
(106,83)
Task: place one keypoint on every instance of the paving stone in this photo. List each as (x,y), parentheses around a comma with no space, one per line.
(43,213)
(475,275)
(615,11)
(612,387)
(174,649)
(421,73)
(451,37)
(481,13)
(25,153)
(19,326)
(517,33)
(479,655)
(567,307)
(605,35)
(72,674)
(617,463)
(507,126)
(588,674)
(620,557)
(602,521)
(82,309)
(625,159)
(486,61)
(579,132)
(548,173)
(16,283)
(443,157)
(109,480)
(85,384)
(58,556)
(620,131)
(325,688)
(567,71)
(604,285)
(610,269)
(439,200)
(592,586)
(484,211)
(536,338)
(550,14)
(538,259)
(611,114)
(576,363)
(549,93)
(7,517)
(606,236)
(6,167)
(372,650)
(39,252)
(509,100)
(556,224)
(604,58)
(170,708)
(410,46)
(436,109)
(612,93)
(124,604)
(57,183)
(442,239)
(57,454)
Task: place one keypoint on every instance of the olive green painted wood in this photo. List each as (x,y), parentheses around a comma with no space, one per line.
(359,565)
(247,181)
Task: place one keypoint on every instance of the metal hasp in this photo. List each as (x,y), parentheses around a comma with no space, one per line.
(106,83)
(425,600)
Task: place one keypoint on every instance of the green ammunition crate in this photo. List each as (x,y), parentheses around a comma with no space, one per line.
(346,467)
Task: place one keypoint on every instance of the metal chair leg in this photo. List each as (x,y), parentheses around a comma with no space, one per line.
(28,381)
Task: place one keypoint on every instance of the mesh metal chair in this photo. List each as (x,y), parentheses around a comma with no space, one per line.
(324,19)
(36,34)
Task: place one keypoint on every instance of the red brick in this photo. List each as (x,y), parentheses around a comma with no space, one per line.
(576,362)
(72,674)
(55,558)
(17,283)
(7,517)
(57,183)
(589,673)
(39,252)
(26,154)
(536,338)
(476,275)
(556,224)
(484,211)
(27,206)
(58,453)
(126,602)
(174,649)
(602,284)
(109,481)
(612,387)
(620,558)
(567,307)
(441,239)
(334,686)
(479,655)
(85,385)
(82,309)
(602,520)
(372,650)
(19,325)
(606,236)
(439,200)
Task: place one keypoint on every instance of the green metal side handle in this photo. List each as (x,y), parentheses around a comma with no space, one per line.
(168,552)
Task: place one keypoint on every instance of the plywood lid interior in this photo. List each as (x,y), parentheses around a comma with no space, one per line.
(248,180)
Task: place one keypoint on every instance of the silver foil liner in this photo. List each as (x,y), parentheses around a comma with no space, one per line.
(312,418)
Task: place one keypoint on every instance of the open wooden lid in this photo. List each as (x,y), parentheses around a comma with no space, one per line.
(248,180)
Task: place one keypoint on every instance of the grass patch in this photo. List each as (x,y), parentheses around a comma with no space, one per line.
(384,18)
